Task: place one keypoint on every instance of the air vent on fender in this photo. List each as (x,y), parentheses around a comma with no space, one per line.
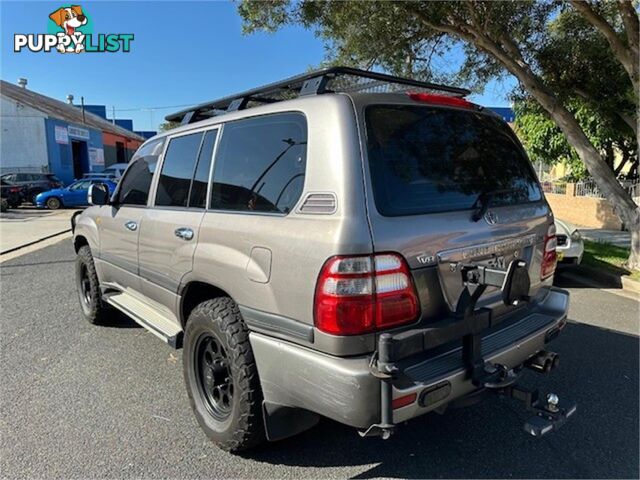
(319,204)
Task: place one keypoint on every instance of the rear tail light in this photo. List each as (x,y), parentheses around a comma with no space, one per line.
(441,100)
(362,294)
(14,190)
(549,256)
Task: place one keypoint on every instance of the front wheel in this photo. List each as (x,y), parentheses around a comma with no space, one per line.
(94,309)
(221,376)
(53,203)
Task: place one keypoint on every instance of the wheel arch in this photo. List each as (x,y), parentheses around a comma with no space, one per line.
(194,293)
(80,241)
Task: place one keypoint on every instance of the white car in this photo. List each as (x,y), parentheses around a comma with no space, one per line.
(570,245)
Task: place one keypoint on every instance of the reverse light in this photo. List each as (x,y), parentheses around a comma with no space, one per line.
(441,100)
(362,294)
(549,256)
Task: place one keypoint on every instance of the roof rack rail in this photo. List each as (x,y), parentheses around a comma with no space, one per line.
(327,80)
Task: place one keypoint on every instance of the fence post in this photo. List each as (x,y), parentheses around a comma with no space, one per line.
(571,190)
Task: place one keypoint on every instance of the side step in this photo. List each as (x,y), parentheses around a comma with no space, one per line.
(158,324)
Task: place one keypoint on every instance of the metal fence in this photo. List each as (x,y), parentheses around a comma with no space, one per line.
(559,188)
(590,189)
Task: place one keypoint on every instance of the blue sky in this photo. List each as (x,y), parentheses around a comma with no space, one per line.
(183,53)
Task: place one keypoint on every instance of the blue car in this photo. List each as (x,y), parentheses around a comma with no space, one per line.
(75,195)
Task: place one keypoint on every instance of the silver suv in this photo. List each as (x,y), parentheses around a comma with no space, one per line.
(344,244)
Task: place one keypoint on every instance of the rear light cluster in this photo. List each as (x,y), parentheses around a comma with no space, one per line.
(362,294)
(549,256)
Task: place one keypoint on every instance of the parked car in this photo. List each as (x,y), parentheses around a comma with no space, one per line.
(368,257)
(113,172)
(75,195)
(34,183)
(570,245)
(14,194)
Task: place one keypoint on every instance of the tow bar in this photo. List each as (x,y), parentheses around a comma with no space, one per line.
(514,284)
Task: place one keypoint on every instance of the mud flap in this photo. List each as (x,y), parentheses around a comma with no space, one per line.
(282,422)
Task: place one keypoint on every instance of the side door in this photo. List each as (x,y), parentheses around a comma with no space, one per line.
(169,231)
(119,222)
(76,194)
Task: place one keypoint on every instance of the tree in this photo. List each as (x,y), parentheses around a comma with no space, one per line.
(545,142)
(496,38)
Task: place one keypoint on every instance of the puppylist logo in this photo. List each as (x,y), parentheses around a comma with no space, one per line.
(70,30)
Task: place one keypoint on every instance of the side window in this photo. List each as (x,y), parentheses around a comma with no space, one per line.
(198,196)
(80,185)
(260,164)
(177,171)
(135,185)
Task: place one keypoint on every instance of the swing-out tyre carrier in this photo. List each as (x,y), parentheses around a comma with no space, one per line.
(412,373)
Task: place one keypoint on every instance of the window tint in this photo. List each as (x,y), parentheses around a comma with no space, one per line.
(260,164)
(198,196)
(135,185)
(425,160)
(177,170)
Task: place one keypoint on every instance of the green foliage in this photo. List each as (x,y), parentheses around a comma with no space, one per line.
(166,126)
(545,142)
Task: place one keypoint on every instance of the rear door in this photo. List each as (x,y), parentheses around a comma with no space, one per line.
(450,186)
(169,230)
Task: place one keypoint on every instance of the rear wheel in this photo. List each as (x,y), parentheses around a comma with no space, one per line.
(93,308)
(221,376)
(53,203)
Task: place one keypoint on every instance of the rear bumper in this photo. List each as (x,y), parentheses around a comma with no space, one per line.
(346,390)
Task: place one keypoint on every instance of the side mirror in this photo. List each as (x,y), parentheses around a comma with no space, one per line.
(98,194)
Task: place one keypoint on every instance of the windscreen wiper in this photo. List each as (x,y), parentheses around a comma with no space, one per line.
(483,202)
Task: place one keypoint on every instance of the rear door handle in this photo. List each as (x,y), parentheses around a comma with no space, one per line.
(184,233)
(133,226)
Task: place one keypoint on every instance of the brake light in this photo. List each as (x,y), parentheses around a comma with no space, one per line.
(549,256)
(14,190)
(441,100)
(362,294)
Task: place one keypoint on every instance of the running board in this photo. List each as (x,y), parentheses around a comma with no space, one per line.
(161,326)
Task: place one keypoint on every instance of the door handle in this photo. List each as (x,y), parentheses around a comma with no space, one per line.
(133,226)
(184,233)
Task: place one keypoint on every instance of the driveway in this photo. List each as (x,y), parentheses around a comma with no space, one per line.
(79,401)
(25,225)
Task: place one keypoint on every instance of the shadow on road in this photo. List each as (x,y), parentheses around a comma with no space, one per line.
(599,370)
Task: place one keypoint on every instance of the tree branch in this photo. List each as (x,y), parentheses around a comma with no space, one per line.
(621,51)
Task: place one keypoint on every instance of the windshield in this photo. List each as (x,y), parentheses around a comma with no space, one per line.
(426,160)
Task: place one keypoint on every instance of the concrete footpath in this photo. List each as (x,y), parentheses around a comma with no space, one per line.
(23,226)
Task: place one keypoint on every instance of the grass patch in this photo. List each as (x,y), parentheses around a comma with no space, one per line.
(608,257)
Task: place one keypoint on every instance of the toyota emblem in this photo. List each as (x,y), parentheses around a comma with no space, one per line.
(490,217)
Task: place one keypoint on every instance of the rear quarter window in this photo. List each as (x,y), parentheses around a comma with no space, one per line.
(260,164)
(426,160)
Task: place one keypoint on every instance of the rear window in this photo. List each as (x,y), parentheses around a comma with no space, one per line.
(427,160)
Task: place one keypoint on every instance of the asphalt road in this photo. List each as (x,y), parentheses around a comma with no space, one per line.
(79,401)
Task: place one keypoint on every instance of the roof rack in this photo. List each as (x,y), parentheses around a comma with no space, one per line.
(327,80)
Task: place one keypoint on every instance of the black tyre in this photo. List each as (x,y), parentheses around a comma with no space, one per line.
(4,205)
(93,308)
(54,203)
(221,376)
(15,204)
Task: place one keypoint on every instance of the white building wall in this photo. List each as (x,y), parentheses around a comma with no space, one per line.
(23,138)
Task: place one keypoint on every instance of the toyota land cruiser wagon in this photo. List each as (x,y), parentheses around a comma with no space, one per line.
(342,243)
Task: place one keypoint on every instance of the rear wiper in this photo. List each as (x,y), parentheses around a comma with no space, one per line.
(483,202)
(481,205)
